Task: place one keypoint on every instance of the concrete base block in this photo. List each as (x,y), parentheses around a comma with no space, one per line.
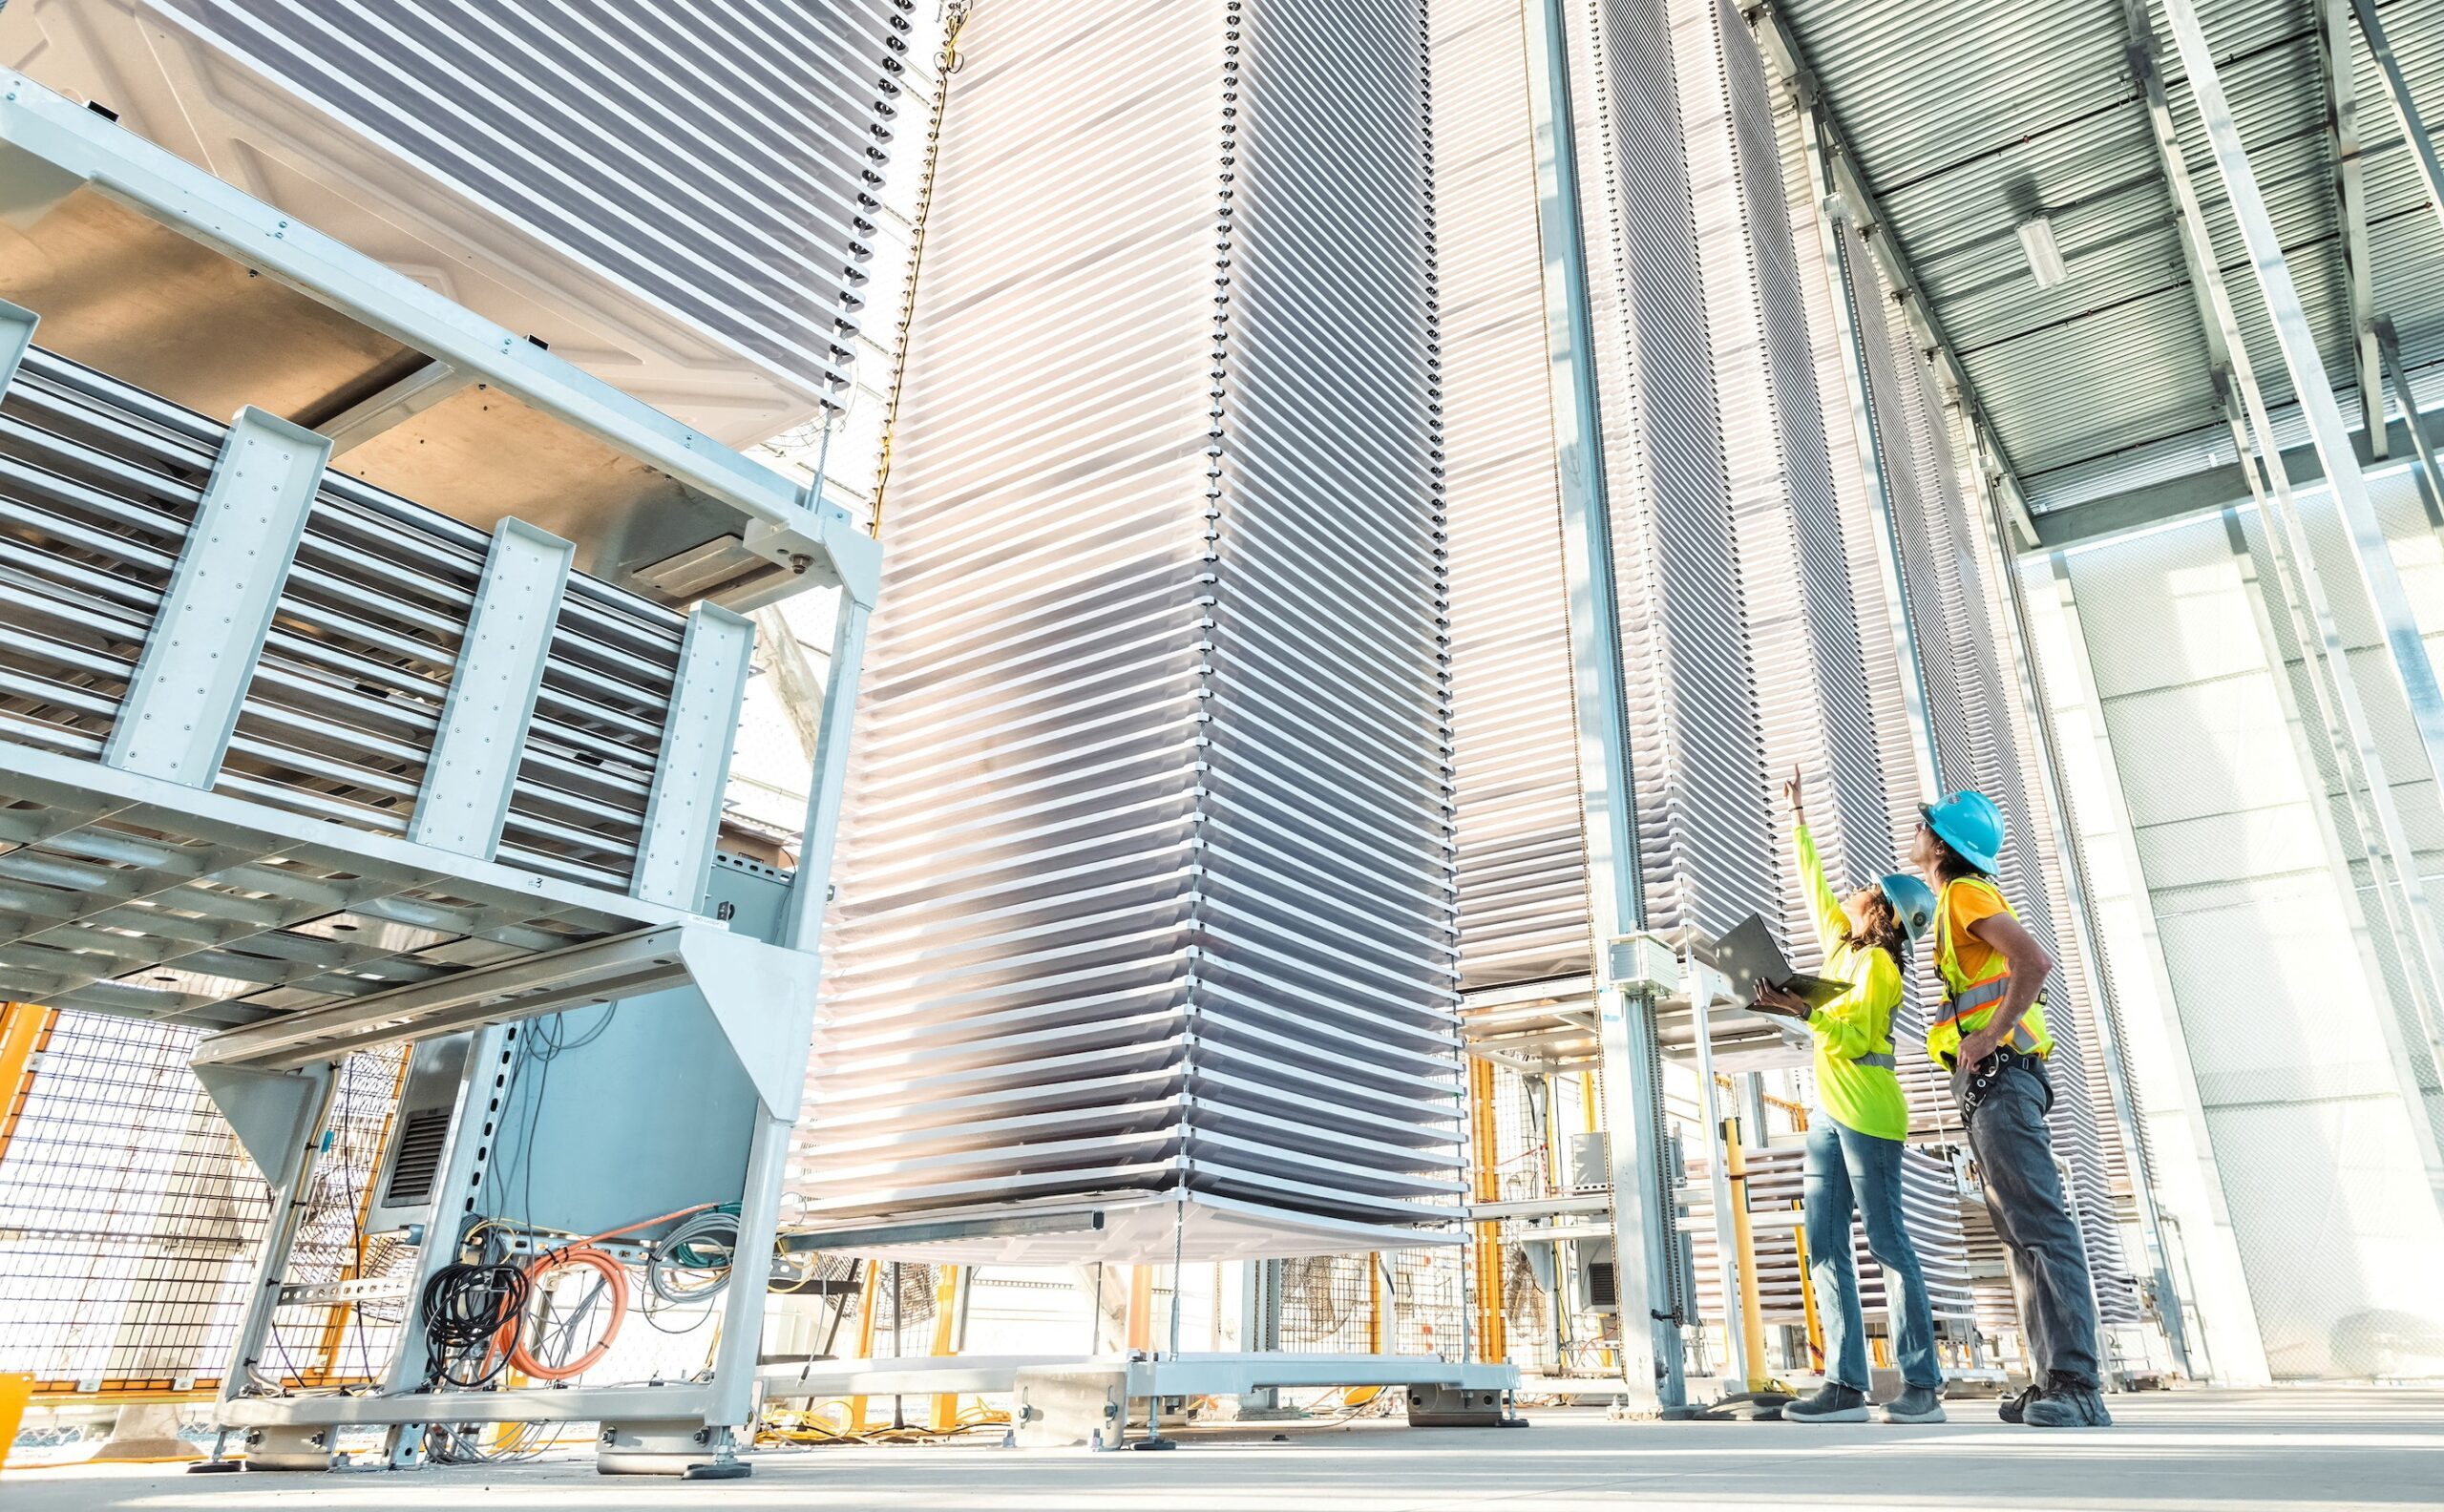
(147,1434)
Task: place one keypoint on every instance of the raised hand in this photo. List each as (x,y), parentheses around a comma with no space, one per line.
(1795,791)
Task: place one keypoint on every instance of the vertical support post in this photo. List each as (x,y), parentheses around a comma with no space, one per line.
(1702,998)
(1752,1310)
(948,1289)
(1487,1234)
(466,1158)
(482,736)
(16,333)
(1641,1204)
(2351,195)
(190,679)
(292,1183)
(750,1274)
(811,893)
(2422,146)
(25,1033)
(683,808)
(1832,214)
(869,1297)
(2413,670)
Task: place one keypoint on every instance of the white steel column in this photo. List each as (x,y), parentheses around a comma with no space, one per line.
(812,891)
(16,334)
(2422,452)
(683,809)
(482,737)
(1643,1224)
(191,680)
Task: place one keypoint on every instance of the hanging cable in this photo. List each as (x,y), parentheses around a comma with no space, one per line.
(466,1308)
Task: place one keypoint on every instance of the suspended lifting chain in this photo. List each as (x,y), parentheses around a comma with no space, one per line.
(946,62)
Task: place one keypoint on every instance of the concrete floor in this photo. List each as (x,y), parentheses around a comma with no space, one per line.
(2175,1453)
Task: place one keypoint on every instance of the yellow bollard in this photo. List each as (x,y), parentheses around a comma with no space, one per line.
(15,1391)
(1807,1299)
(1752,1311)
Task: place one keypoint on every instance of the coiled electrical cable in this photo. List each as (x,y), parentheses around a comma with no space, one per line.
(703,1245)
(466,1307)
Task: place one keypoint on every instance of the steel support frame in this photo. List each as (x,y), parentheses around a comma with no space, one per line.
(50,147)
(2413,669)
(2422,448)
(1651,1375)
(684,808)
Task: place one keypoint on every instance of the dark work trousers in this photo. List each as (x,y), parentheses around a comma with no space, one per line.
(2024,1193)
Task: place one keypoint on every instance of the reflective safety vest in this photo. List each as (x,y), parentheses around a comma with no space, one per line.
(1969,1006)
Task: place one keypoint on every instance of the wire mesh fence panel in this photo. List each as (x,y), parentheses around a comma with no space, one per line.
(128,1215)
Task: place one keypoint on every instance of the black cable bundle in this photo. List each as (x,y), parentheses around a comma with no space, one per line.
(466,1308)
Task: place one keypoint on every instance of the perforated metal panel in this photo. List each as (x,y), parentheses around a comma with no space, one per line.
(1147,874)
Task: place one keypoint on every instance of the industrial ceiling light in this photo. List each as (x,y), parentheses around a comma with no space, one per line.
(2044,258)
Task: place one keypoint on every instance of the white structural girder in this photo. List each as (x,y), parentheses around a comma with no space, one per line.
(273,1112)
(482,736)
(810,891)
(402,401)
(683,809)
(191,679)
(1651,1368)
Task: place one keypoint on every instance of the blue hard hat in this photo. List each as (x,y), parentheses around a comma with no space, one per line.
(1912,899)
(1968,822)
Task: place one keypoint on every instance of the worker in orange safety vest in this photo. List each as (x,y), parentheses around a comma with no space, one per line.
(1991,1036)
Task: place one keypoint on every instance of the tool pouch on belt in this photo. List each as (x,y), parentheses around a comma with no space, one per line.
(1971,1085)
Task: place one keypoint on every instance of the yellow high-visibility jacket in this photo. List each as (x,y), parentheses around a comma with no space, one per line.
(1855,1083)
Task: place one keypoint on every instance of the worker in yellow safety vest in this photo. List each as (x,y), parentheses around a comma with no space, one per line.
(1990,1034)
(1855,1141)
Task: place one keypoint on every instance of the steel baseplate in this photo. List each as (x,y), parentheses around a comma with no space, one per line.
(290,1446)
(1461,1407)
(673,1447)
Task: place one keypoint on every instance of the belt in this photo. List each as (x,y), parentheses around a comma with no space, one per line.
(1878,1058)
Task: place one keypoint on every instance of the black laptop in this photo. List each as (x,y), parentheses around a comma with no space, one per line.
(1748,955)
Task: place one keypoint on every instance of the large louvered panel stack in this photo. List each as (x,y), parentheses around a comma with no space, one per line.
(1147,899)
(1705,839)
(1523,882)
(1802,621)
(720,157)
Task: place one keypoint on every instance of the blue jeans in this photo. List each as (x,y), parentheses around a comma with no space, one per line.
(1847,1170)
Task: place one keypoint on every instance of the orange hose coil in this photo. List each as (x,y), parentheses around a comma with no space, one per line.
(615,1276)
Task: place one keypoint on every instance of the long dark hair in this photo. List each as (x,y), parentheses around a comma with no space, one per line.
(1950,866)
(1883,931)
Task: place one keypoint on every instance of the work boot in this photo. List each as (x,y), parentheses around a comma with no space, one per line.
(2069,1402)
(2014,1409)
(1833,1402)
(1916,1404)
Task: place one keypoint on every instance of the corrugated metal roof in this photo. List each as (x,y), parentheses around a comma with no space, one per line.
(1965,119)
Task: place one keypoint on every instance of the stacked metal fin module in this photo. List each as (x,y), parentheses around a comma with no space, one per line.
(1147,899)
(1523,867)
(1705,835)
(721,158)
(1802,623)
(1973,702)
